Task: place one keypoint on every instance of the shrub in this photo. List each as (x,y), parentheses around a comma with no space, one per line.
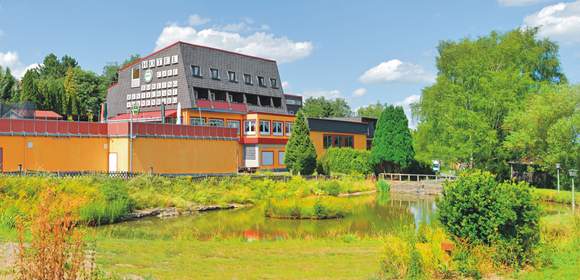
(308,208)
(383,186)
(479,210)
(346,161)
(330,187)
(415,265)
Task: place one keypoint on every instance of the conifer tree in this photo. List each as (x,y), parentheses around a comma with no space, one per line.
(392,148)
(300,155)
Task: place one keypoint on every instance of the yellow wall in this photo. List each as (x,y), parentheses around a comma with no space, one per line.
(360,141)
(54,153)
(120,146)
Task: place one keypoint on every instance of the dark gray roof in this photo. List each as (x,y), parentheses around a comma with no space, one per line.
(339,126)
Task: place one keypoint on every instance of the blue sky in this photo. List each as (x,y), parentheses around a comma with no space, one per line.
(363,51)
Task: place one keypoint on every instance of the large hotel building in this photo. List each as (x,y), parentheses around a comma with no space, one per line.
(185,109)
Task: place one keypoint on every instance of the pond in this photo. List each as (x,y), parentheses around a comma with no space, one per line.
(372,216)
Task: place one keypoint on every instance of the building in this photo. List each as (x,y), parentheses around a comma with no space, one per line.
(185,109)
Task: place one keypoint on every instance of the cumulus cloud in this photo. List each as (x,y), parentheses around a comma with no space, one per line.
(195,20)
(229,37)
(328,94)
(518,3)
(12,61)
(560,22)
(359,92)
(395,70)
(406,104)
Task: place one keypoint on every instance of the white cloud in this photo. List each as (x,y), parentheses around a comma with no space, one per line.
(195,20)
(359,92)
(518,3)
(12,61)
(395,70)
(406,104)
(328,94)
(227,37)
(560,22)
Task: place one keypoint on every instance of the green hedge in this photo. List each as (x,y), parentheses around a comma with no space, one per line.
(346,161)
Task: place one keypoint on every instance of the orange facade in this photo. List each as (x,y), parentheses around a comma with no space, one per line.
(317,137)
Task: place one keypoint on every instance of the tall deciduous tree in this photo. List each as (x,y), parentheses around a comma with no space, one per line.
(371,111)
(479,83)
(320,107)
(300,157)
(392,148)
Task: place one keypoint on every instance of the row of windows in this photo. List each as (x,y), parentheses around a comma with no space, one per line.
(166,73)
(232,77)
(268,158)
(152,102)
(338,141)
(152,94)
(214,122)
(160,61)
(160,85)
(275,128)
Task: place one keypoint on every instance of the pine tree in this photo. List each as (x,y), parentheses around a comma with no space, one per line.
(392,148)
(300,155)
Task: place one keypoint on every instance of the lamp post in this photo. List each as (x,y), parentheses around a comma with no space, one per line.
(558,175)
(572,173)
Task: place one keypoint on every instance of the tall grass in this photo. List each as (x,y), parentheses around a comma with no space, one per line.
(323,207)
(550,195)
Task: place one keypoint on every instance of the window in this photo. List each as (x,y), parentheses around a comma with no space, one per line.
(151,63)
(174,59)
(250,127)
(215,122)
(274,83)
(281,155)
(215,73)
(166,60)
(135,77)
(175,83)
(174,91)
(277,128)
(289,128)
(261,81)
(195,71)
(135,73)
(128,96)
(265,127)
(232,76)
(175,72)
(197,121)
(234,124)
(267,158)
(164,73)
(144,64)
(128,104)
(153,86)
(248,79)
(159,62)
(338,141)
(158,74)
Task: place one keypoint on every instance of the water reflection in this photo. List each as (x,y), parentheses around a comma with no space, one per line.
(372,216)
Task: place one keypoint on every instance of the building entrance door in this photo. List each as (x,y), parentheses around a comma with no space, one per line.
(112,162)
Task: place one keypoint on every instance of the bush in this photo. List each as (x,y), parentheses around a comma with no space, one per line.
(383,186)
(308,208)
(346,161)
(479,210)
(330,187)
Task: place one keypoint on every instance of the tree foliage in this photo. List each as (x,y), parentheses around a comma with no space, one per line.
(8,85)
(346,161)
(320,107)
(371,110)
(479,83)
(300,157)
(392,148)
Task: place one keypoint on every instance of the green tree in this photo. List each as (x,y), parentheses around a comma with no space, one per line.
(30,91)
(392,149)
(7,85)
(371,111)
(479,82)
(300,157)
(320,107)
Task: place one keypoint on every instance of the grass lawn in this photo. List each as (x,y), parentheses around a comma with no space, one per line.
(235,259)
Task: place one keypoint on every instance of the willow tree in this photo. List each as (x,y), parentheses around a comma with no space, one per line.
(479,82)
(300,157)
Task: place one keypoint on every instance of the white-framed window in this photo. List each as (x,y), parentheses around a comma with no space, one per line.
(132,96)
(148,103)
(148,95)
(175,72)
(174,59)
(142,87)
(289,128)
(175,92)
(128,104)
(250,127)
(166,60)
(234,124)
(215,122)
(158,85)
(144,64)
(232,76)
(142,103)
(277,128)
(158,74)
(197,121)
(148,87)
(138,95)
(164,85)
(159,61)
(163,101)
(128,96)
(267,158)
(153,86)
(175,83)
(158,102)
(135,77)
(151,63)
(281,155)
(153,93)
(164,93)
(264,127)
(174,100)
(248,79)
(163,73)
